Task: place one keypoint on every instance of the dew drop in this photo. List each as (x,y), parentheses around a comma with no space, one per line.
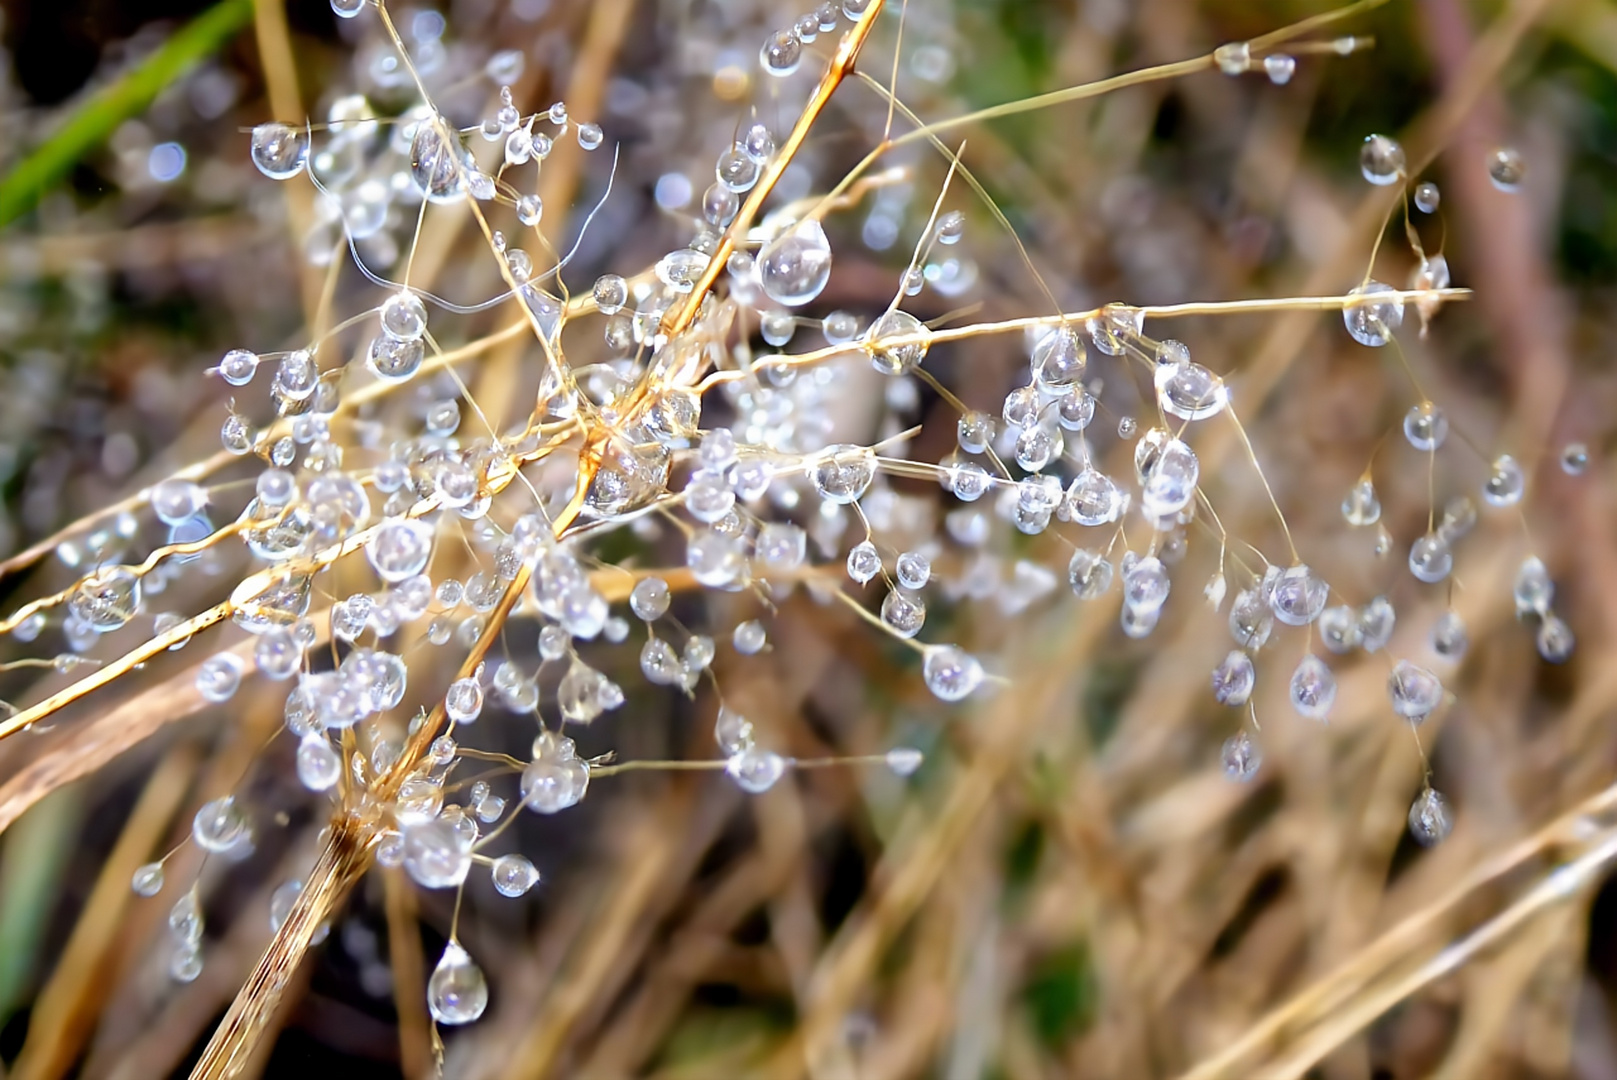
(795,267)
(457,993)
(1381,160)
(1506,168)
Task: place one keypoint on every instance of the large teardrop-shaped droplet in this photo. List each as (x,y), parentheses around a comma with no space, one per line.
(457,993)
(796,265)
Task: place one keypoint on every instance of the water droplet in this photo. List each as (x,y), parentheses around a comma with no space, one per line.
(457,993)
(781,53)
(279,150)
(1506,482)
(1414,691)
(1430,558)
(1362,506)
(1241,757)
(1430,820)
(844,472)
(148,879)
(1372,321)
(951,672)
(1313,689)
(794,268)
(219,825)
(1449,637)
(896,359)
(1279,67)
(1381,160)
(1233,679)
(1575,459)
(755,770)
(513,875)
(1426,426)
(1506,168)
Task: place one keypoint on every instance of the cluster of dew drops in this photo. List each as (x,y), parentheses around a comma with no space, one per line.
(773,454)
(1297,597)
(307,500)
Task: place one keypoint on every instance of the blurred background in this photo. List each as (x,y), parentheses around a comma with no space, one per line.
(1070,886)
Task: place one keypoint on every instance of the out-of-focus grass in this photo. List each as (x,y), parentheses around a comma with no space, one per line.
(93,120)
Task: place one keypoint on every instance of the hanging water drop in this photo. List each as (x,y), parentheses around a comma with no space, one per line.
(457,993)
(794,268)
(280,150)
(1381,160)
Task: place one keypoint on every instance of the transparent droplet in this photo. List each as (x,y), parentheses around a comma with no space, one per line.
(318,764)
(1372,320)
(896,359)
(393,359)
(732,731)
(237,368)
(1059,359)
(904,760)
(903,612)
(1251,619)
(219,676)
(1190,391)
(1533,589)
(1361,506)
(1145,584)
(1279,67)
(974,431)
(1233,679)
(755,770)
(107,599)
(186,963)
(1427,197)
(1506,168)
(951,672)
(1575,459)
(1430,558)
(1430,820)
(1554,639)
(1168,476)
(914,569)
(219,825)
(441,169)
(1381,160)
(650,598)
(1313,689)
(1506,482)
(794,268)
(749,637)
(437,854)
(1241,757)
(148,879)
(1449,637)
(513,875)
(1376,622)
(1426,426)
(1298,596)
(844,472)
(1339,628)
(1414,691)
(281,901)
(864,562)
(400,549)
(457,993)
(280,150)
(1233,58)
(781,53)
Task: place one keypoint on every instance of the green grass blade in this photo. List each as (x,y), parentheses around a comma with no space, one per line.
(95,120)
